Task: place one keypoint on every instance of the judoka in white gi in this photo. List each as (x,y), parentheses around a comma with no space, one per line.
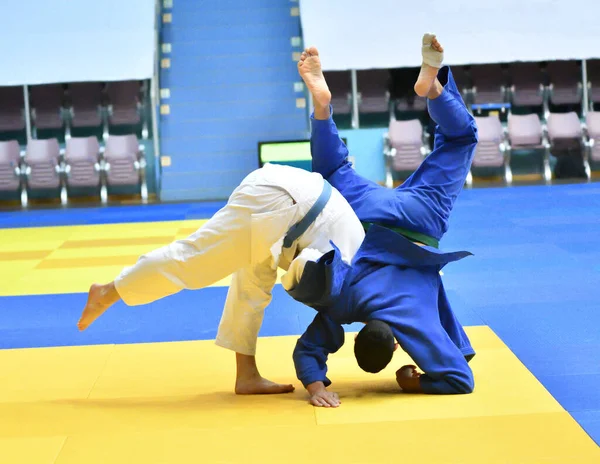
(278,217)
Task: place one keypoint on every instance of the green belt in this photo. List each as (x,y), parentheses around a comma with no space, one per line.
(409,234)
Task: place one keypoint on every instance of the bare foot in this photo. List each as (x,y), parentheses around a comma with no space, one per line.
(100,298)
(433,54)
(309,68)
(260,386)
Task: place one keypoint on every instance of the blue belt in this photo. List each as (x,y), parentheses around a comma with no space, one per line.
(300,227)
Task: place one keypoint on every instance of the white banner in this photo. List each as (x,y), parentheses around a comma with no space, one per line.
(55,41)
(387,33)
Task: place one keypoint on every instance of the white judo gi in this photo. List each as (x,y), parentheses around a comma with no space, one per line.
(246,238)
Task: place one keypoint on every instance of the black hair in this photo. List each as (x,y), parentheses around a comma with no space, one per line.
(374,346)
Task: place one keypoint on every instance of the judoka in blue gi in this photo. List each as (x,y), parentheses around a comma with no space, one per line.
(393,284)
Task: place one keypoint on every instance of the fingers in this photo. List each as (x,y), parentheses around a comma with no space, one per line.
(326,400)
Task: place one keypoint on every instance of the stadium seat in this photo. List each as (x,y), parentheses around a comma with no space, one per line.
(340,84)
(86,101)
(565,134)
(492,149)
(593,135)
(489,84)
(12,106)
(525,132)
(124,163)
(124,105)
(404,147)
(47,103)
(82,166)
(401,90)
(527,84)
(373,94)
(565,82)
(593,74)
(43,170)
(10,160)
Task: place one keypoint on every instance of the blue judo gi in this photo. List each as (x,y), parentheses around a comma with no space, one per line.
(392,279)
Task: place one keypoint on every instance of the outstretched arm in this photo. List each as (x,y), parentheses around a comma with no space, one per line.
(322,337)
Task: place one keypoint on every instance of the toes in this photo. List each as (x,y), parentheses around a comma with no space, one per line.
(312,51)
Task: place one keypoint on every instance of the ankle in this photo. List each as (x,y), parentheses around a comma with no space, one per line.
(436,90)
(322,112)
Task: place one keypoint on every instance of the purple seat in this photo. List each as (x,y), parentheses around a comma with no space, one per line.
(125,163)
(124,102)
(525,131)
(402,90)
(46,106)
(81,158)
(12,106)
(565,133)
(527,87)
(10,155)
(373,91)
(593,72)
(42,159)
(565,82)
(404,147)
(593,130)
(86,104)
(564,129)
(491,150)
(414,103)
(340,84)
(489,84)
(491,136)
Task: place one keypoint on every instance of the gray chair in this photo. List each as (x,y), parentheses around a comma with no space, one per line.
(12,104)
(405,147)
(592,130)
(489,84)
(565,82)
(10,167)
(47,103)
(124,105)
(525,132)
(86,105)
(124,163)
(340,85)
(82,166)
(565,133)
(593,74)
(527,85)
(492,149)
(43,170)
(373,94)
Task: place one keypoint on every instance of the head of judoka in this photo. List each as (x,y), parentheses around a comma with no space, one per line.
(374,346)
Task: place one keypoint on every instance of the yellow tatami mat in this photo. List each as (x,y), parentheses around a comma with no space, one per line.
(173,403)
(54,260)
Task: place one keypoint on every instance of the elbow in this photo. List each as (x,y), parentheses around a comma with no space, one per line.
(462,385)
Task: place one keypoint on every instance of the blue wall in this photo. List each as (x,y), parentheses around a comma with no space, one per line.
(231,80)
(366,147)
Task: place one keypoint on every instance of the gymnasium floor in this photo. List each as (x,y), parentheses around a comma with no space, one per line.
(146,384)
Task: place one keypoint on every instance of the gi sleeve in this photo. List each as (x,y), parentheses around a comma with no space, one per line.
(330,159)
(322,337)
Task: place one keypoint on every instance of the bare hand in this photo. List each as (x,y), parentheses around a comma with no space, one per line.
(408,379)
(325,399)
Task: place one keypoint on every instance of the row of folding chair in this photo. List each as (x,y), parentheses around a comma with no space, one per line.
(83,163)
(406,143)
(520,84)
(80,105)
